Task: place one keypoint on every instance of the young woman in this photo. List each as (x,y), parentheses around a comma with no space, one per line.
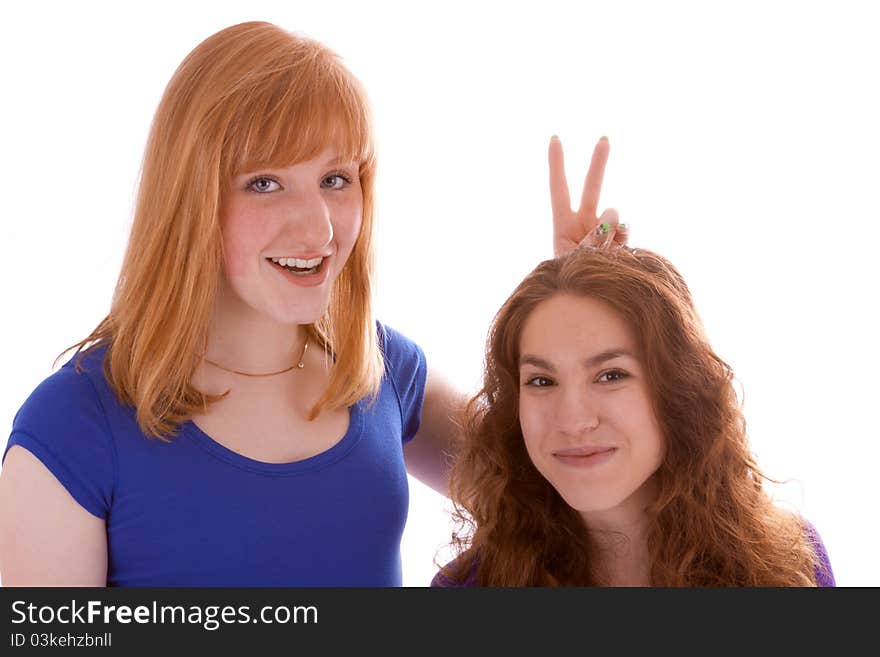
(239,417)
(607,445)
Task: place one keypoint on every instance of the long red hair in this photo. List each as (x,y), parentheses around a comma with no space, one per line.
(712,522)
(249,96)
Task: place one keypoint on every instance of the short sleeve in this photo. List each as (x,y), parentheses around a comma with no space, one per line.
(407,370)
(824,573)
(64,425)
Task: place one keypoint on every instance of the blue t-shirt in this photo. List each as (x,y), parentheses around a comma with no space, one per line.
(194,513)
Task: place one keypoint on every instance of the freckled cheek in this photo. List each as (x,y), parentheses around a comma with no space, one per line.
(241,244)
(234,261)
(346,228)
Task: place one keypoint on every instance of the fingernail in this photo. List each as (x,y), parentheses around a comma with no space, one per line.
(622,226)
(603,137)
(604,226)
(554,138)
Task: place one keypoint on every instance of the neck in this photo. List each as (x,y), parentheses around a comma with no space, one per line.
(621,556)
(620,539)
(240,339)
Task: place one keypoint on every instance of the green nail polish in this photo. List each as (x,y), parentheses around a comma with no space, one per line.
(622,226)
(604,226)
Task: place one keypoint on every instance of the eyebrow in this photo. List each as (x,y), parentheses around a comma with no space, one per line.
(592,361)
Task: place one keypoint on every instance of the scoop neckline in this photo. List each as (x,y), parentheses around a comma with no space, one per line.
(321,460)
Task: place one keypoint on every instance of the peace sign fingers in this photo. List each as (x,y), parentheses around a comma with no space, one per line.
(566,231)
(573,228)
(593,184)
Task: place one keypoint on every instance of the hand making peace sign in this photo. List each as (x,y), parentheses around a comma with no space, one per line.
(583,227)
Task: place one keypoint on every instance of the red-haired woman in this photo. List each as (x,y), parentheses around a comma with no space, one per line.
(239,417)
(607,446)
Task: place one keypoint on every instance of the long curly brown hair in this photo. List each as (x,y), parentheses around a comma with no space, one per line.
(712,522)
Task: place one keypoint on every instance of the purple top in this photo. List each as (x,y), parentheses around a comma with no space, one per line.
(824,573)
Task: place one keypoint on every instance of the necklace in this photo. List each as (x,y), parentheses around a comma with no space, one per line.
(301,364)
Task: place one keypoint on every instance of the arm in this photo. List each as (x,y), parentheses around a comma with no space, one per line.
(429,455)
(46,537)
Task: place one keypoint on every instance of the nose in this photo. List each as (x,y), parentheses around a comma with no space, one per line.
(308,221)
(577,412)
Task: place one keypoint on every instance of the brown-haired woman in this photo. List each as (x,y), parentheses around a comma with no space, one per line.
(607,445)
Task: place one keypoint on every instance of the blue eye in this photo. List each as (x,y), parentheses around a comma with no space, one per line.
(539,382)
(263,185)
(336,181)
(612,376)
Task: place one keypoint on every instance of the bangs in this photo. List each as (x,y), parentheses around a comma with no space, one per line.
(291,115)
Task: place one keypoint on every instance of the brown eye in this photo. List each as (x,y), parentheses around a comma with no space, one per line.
(612,376)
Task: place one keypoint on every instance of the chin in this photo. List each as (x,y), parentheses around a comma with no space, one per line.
(300,313)
(291,313)
(586,503)
(300,318)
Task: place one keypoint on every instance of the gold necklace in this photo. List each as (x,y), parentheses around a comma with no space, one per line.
(301,364)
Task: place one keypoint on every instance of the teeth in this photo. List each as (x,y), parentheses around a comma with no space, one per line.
(299,263)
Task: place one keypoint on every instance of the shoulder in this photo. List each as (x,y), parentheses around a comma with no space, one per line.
(68,395)
(404,362)
(824,572)
(396,347)
(406,371)
(64,424)
(444,579)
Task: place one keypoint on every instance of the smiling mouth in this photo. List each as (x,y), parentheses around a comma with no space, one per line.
(585,457)
(298,267)
(584,452)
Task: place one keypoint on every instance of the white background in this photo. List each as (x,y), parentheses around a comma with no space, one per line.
(744,146)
